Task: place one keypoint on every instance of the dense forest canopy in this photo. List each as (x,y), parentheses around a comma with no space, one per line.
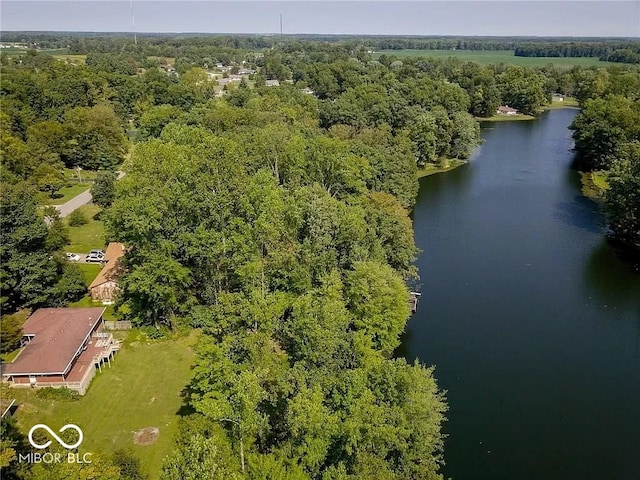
(275,220)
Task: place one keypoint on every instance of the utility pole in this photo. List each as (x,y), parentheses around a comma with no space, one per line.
(133,25)
(280,26)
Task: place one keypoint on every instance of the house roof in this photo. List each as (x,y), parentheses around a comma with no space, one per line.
(112,268)
(506,108)
(58,335)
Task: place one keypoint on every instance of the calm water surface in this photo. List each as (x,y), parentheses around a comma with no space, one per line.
(532,320)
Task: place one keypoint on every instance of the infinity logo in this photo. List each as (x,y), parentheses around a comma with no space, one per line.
(53,434)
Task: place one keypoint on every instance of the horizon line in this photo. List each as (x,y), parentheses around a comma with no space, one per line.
(275,34)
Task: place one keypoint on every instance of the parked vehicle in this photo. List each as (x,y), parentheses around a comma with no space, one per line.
(72,257)
(97,252)
(94,257)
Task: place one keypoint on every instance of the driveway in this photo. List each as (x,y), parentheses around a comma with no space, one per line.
(76,202)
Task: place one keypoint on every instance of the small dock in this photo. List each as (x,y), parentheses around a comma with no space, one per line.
(413,301)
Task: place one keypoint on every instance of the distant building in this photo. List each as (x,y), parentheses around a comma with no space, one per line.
(62,348)
(246,71)
(227,81)
(506,110)
(105,286)
(272,83)
(308,91)
(557,97)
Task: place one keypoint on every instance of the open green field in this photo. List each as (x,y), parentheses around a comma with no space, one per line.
(141,389)
(89,236)
(495,56)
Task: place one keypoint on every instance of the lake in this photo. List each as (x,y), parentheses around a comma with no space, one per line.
(531,319)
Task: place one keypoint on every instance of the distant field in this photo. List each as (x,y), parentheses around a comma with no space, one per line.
(59,53)
(495,56)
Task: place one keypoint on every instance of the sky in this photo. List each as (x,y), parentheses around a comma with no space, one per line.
(477,17)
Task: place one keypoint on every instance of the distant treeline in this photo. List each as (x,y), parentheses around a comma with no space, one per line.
(620,51)
(608,49)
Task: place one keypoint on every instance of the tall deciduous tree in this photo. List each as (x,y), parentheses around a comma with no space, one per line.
(104,187)
(94,138)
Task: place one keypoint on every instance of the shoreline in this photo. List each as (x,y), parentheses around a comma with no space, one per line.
(433,170)
(570,104)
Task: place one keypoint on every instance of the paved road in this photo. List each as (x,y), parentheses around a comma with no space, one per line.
(76,202)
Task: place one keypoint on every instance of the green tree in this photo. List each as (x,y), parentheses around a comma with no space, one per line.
(602,129)
(77,218)
(27,272)
(94,138)
(379,301)
(199,459)
(11,326)
(155,118)
(103,189)
(622,199)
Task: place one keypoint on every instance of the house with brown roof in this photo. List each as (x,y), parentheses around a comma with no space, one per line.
(105,286)
(62,348)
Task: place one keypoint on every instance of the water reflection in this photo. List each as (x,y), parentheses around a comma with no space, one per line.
(579,212)
(611,279)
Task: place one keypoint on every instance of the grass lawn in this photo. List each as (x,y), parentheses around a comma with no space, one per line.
(594,184)
(85,175)
(433,169)
(568,102)
(89,270)
(86,301)
(496,56)
(89,236)
(67,193)
(10,356)
(506,118)
(141,389)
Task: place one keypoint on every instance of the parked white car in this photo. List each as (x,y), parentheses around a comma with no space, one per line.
(73,257)
(94,257)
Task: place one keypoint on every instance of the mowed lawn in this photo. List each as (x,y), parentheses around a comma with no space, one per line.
(496,56)
(141,389)
(87,237)
(67,193)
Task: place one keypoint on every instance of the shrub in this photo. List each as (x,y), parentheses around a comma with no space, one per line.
(61,394)
(77,218)
(128,464)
